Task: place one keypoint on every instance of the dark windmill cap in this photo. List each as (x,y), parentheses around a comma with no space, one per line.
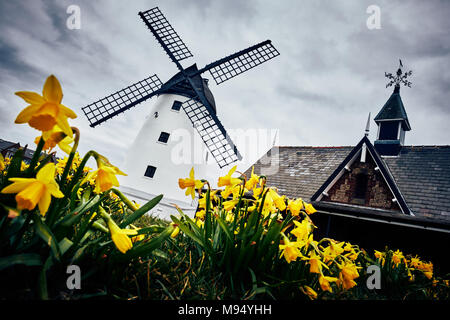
(174,86)
(394,109)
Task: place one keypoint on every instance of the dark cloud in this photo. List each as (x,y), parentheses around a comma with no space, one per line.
(329,76)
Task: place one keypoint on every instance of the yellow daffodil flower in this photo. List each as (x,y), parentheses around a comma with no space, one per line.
(2,162)
(228,180)
(202,200)
(229,205)
(415,262)
(105,175)
(302,230)
(253,181)
(333,250)
(46,111)
(277,199)
(200,214)
(295,206)
(309,209)
(427,269)
(289,250)
(315,264)
(397,257)
(309,292)
(324,282)
(120,237)
(54,137)
(347,275)
(35,191)
(175,232)
(190,184)
(139,237)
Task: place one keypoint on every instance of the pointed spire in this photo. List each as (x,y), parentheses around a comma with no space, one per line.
(367,126)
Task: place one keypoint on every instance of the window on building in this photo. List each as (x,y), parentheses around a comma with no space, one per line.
(388,130)
(150,171)
(176,105)
(360,186)
(164,137)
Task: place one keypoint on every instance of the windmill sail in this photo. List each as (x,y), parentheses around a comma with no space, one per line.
(122,100)
(165,35)
(212,133)
(239,62)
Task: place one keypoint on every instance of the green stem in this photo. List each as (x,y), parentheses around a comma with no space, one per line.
(35,158)
(71,156)
(124,199)
(80,169)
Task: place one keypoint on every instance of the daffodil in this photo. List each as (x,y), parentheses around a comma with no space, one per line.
(35,191)
(54,137)
(309,292)
(45,111)
(302,230)
(347,275)
(105,175)
(333,250)
(200,214)
(175,232)
(427,269)
(228,180)
(315,263)
(309,209)
(202,200)
(289,250)
(190,184)
(277,199)
(2,162)
(120,237)
(229,205)
(253,181)
(324,282)
(295,206)
(139,237)
(397,257)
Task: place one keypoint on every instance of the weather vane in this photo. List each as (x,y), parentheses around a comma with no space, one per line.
(400,77)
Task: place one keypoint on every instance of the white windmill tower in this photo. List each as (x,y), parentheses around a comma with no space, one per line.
(153,163)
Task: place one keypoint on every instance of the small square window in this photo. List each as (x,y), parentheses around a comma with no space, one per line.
(150,172)
(176,105)
(164,137)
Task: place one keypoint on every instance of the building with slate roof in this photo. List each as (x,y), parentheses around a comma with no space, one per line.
(8,148)
(376,194)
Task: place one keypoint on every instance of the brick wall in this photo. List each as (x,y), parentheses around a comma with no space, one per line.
(377,195)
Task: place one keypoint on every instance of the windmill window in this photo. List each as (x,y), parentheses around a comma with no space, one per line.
(360,186)
(150,171)
(176,105)
(164,137)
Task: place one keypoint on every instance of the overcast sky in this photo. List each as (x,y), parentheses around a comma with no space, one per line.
(319,91)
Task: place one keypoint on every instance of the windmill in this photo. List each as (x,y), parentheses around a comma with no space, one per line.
(147,160)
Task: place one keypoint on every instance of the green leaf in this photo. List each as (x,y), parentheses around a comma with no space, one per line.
(65,245)
(15,165)
(145,248)
(28,259)
(46,234)
(225,228)
(76,215)
(141,211)
(183,227)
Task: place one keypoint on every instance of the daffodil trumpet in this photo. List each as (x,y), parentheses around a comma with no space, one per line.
(120,237)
